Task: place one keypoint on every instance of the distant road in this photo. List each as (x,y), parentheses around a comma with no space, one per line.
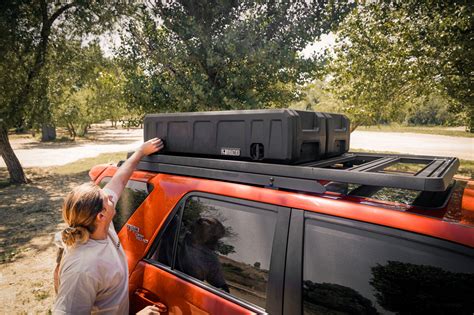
(414,143)
(34,154)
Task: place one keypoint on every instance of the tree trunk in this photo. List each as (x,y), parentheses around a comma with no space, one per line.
(470,122)
(48,133)
(354,126)
(17,175)
(82,130)
(72,131)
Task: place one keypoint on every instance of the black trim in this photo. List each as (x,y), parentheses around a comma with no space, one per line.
(276,277)
(292,303)
(358,168)
(433,200)
(277,261)
(265,180)
(162,230)
(392,232)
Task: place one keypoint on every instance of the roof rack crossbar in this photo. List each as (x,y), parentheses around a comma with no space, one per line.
(329,162)
(436,176)
(375,165)
(429,169)
(443,168)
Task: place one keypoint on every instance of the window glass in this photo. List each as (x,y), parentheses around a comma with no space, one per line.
(132,197)
(223,244)
(164,250)
(350,270)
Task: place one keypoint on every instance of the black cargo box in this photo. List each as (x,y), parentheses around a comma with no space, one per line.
(275,135)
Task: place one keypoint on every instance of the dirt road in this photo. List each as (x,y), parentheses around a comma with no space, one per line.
(35,154)
(414,143)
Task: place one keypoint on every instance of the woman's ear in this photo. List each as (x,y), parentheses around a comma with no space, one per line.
(100,216)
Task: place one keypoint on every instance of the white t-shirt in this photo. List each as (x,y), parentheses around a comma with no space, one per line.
(93,277)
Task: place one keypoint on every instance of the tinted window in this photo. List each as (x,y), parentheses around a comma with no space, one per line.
(226,245)
(132,197)
(366,271)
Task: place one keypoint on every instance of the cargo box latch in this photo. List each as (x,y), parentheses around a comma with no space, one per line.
(256,151)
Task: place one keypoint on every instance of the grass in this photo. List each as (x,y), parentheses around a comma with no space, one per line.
(466,169)
(73,168)
(8,256)
(432,130)
(86,164)
(40,295)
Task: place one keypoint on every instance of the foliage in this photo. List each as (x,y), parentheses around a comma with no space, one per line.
(392,53)
(332,298)
(85,87)
(204,55)
(317,97)
(196,209)
(434,110)
(26,30)
(421,289)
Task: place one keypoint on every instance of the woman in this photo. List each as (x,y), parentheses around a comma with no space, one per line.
(93,272)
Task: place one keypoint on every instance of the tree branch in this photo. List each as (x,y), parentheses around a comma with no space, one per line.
(60,11)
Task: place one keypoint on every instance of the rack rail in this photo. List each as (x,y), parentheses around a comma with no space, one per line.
(369,169)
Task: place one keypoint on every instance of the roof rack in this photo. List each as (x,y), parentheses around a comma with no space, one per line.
(370,169)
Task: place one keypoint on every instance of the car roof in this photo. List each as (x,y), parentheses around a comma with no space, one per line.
(454,222)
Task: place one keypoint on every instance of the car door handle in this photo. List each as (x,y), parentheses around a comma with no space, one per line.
(142,294)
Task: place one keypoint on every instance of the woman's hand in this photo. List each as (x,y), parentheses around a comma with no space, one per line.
(151,146)
(149,310)
(119,180)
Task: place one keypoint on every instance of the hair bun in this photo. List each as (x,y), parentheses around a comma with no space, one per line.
(75,235)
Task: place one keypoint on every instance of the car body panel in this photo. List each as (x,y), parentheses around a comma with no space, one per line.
(457,227)
(180,296)
(466,215)
(453,223)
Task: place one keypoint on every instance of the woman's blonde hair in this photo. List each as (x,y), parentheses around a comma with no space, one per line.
(80,209)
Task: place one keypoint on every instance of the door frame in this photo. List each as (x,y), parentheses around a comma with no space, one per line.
(278,260)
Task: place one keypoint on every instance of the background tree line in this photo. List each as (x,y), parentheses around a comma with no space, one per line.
(392,60)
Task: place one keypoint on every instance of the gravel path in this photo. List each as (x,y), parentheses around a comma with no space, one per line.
(35,154)
(414,143)
(32,153)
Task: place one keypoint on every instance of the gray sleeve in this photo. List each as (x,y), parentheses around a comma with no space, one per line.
(77,293)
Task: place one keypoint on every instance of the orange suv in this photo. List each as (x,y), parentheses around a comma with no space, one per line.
(353,233)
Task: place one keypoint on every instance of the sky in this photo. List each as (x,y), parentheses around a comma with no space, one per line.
(111,40)
(326,41)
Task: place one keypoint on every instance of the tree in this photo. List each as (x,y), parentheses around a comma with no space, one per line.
(84,86)
(109,95)
(26,28)
(396,52)
(207,55)
(317,97)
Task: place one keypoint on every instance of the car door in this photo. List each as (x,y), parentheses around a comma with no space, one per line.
(216,255)
(337,265)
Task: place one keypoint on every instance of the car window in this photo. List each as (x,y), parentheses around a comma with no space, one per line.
(134,194)
(225,245)
(347,269)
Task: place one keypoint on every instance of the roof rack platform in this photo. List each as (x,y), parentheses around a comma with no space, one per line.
(372,169)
